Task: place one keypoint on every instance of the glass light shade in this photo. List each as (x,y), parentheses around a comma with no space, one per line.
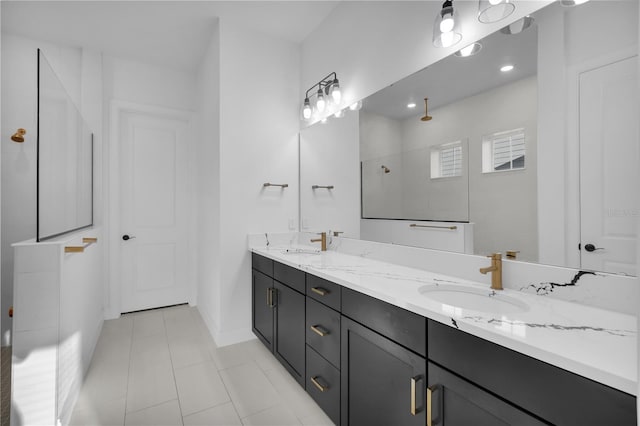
(518,26)
(306,109)
(570,3)
(339,113)
(469,50)
(446,29)
(320,102)
(356,106)
(494,10)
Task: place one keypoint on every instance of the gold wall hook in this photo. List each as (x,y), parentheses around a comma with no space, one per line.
(18,136)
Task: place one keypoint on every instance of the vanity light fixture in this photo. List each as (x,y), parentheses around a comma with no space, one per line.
(470,50)
(506,68)
(490,11)
(328,92)
(446,29)
(517,27)
(339,113)
(426,117)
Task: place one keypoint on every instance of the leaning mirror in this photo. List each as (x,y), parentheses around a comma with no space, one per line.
(65,160)
(529,144)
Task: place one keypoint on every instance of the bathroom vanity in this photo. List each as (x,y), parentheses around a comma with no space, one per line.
(378,343)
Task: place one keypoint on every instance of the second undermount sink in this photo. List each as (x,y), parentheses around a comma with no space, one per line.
(301,251)
(473,299)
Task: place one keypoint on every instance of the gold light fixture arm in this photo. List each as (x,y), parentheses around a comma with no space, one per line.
(18,136)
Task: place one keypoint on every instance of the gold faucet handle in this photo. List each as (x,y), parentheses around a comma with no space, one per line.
(495,256)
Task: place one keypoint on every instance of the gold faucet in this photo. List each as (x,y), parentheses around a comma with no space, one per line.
(496,271)
(322,240)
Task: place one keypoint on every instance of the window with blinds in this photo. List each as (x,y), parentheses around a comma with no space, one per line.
(446,160)
(503,151)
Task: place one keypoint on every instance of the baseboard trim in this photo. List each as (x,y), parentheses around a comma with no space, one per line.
(225,338)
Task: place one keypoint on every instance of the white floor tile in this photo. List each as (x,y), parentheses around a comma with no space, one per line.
(167,414)
(222,415)
(250,390)
(105,381)
(148,323)
(188,349)
(231,356)
(151,382)
(100,413)
(200,387)
(318,419)
(274,416)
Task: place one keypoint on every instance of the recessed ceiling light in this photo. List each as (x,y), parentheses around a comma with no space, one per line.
(517,27)
(470,50)
(570,3)
(506,68)
(411,105)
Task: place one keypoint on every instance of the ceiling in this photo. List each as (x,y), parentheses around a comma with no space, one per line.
(167,33)
(450,79)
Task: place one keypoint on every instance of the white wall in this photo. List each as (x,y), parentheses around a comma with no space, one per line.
(208,179)
(19,109)
(336,209)
(155,87)
(259,109)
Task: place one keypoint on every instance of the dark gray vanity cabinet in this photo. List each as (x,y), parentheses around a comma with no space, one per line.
(278,312)
(323,344)
(538,393)
(454,401)
(383,368)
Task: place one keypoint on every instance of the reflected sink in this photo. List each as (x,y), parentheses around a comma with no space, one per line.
(474,299)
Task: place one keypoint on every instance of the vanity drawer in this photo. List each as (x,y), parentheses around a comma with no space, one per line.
(323,384)
(323,331)
(294,278)
(324,291)
(551,393)
(262,264)
(397,324)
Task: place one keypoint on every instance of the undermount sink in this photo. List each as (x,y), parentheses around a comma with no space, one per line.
(473,299)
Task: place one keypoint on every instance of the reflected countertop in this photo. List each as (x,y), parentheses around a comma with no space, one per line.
(594,343)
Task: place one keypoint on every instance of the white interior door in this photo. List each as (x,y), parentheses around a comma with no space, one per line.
(609,166)
(153,206)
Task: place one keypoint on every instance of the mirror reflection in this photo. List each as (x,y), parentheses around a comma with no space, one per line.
(530,147)
(65,159)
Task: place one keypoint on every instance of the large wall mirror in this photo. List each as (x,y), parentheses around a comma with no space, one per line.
(65,159)
(530,157)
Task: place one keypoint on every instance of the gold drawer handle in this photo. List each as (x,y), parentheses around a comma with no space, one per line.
(316,329)
(430,391)
(319,290)
(321,388)
(413,396)
(270,302)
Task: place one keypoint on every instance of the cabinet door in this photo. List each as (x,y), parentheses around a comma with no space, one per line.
(456,402)
(290,330)
(263,304)
(382,383)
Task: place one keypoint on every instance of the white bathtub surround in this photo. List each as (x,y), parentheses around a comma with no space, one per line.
(597,341)
(58,315)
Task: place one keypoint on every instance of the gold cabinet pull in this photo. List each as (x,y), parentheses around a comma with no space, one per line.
(270,302)
(74,249)
(89,240)
(319,290)
(413,395)
(430,390)
(315,382)
(316,329)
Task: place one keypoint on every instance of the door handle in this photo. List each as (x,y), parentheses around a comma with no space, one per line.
(317,384)
(590,247)
(126,237)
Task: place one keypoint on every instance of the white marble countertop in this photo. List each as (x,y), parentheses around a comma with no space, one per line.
(591,342)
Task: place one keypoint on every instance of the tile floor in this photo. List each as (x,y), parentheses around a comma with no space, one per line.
(161,367)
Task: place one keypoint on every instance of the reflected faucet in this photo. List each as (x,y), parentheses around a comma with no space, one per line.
(496,271)
(322,240)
